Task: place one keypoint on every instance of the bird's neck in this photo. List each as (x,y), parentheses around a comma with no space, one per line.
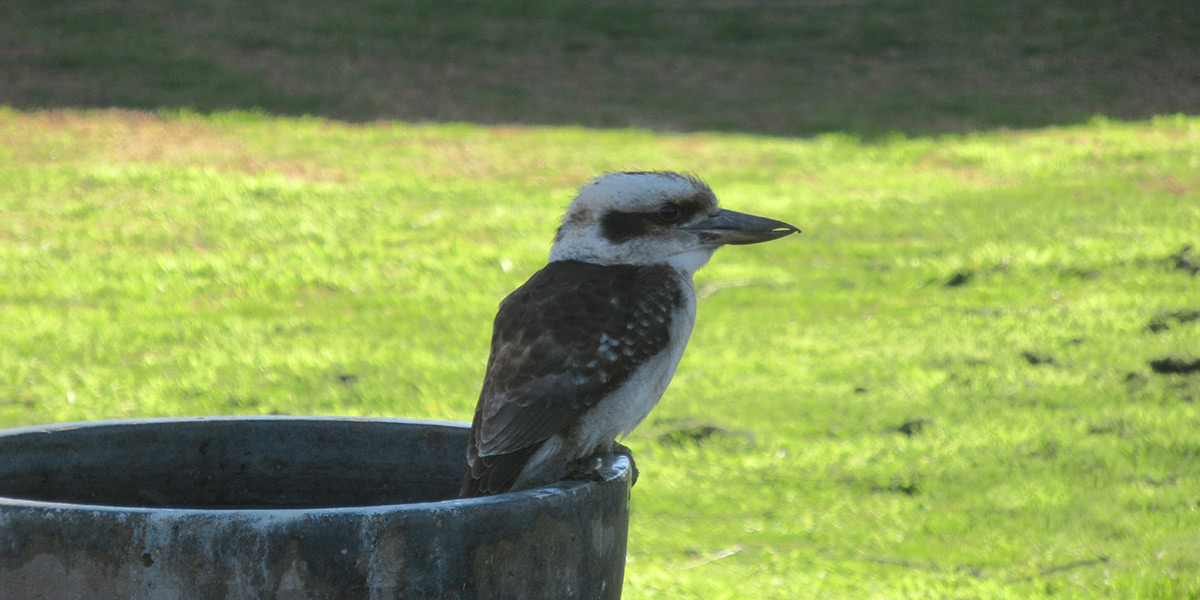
(689,262)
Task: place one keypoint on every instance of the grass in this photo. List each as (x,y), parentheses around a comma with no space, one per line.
(945,388)
(781,68)
(941,389)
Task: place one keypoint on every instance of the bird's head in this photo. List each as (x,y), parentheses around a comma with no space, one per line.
(654,218)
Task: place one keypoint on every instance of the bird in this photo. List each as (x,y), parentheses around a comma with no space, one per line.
(583,350)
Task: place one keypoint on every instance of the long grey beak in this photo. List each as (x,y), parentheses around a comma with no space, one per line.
(735,228)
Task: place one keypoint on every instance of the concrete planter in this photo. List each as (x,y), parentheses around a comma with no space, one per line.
(284,507)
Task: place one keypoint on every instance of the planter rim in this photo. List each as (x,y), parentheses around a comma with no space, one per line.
(612,467)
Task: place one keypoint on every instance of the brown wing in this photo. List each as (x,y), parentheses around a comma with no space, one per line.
(561,342)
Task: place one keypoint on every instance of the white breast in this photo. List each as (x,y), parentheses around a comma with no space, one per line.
(624,409)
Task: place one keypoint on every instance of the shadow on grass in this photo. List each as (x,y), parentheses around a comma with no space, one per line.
(778,68)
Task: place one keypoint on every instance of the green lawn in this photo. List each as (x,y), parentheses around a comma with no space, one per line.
(780,67)
(945,388)
(941,389)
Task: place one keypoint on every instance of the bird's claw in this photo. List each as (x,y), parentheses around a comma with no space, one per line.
(588,469)
(623,450)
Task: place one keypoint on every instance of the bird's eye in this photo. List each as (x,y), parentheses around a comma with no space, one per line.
(669,213)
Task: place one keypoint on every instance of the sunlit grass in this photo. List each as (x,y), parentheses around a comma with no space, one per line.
(941,389)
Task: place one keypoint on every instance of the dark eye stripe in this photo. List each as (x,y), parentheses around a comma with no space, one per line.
(618,227)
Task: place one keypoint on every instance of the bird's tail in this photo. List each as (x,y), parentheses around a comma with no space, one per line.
(488,475)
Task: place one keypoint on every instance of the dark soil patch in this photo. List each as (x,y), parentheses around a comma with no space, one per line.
(1136,381)
(1175,366)
(1036,358)
(1080,273)
(897,486)
(1186,261)
(1118,427)
(912,427)
(688,432)
(960,278)
(1165,320)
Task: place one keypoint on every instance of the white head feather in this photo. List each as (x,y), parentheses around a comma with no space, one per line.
(613,221)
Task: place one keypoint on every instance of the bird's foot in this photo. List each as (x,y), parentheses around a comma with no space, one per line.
(585,469)
(588,469)
(623,450)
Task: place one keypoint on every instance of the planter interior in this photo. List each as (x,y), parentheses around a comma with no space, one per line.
(236,463)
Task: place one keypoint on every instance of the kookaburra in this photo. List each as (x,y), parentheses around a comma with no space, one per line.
(583,350)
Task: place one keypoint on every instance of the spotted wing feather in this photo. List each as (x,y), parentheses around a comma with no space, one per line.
(561,342)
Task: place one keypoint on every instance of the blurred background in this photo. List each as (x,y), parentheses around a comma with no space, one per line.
(781,68)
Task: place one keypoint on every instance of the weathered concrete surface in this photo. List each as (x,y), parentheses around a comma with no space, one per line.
(282,508)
